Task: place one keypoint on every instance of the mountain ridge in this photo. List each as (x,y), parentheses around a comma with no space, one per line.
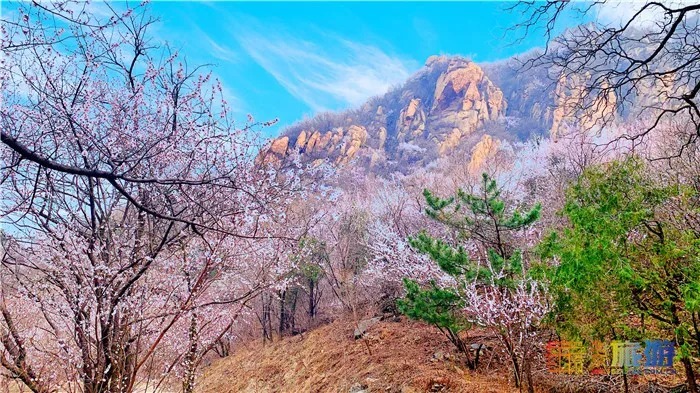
(452,105)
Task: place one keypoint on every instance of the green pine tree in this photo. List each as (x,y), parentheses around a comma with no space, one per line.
(484,219)
(627,262)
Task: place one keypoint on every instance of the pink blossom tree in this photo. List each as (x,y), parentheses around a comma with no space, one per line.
(491,283)
(130,194)
(513,314)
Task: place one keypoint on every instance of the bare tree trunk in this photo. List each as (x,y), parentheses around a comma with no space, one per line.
(514,360)
(461,346)
(188,379)
(689,375)
(697,331)
(516,372)
(288,305)
(14,347)
(266,318)
(312,300)
(222,347)
(292,311)
(686,361)
(527,370)
(283,313)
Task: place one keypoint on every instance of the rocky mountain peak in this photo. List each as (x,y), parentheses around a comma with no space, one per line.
(436,110)
(452,105)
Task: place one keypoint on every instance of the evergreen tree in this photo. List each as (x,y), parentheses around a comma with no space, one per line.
(627,263)
(482,253)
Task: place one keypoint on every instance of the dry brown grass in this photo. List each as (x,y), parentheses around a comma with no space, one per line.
(328,359)
(400,359)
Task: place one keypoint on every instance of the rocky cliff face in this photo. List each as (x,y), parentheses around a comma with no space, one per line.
(452,105)
(433,113)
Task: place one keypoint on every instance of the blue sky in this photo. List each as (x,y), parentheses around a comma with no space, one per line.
(292,60)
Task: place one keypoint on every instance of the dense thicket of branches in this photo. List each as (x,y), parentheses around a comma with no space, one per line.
(142,236)
(647,64)
(129,197)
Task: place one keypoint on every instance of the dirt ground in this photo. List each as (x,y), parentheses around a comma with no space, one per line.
(393,357)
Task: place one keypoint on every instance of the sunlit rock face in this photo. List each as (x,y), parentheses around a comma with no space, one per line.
(411,121)
(467,93)
(279,146)
(464,101)
(440,108)
(572,109)
(450,106)
(486,148)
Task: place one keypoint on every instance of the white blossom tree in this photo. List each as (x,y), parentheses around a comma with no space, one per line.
(130,194)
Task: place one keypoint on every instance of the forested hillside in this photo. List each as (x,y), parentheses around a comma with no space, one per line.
(530,225)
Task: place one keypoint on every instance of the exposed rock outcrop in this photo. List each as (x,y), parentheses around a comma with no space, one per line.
(484,150)
(279,146)
(301,140)
(464,87)
(450,142)
(430,116)
(355,138)
(573,107)
(464,100)
(411,121)
(451,104)
(542,100)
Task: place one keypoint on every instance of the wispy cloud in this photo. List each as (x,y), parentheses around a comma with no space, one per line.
(329,70)
(215,47)
(618,12)
(220,51)
(209,51)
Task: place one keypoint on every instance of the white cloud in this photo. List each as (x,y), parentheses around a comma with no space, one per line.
(331,70)
(220,51)
(618,12)
(199,48)
(212,46)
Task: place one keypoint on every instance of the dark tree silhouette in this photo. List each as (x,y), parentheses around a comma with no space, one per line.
(651,59)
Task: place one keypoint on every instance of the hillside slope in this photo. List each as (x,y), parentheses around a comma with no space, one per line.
(449,102)
(451,106)
(397,357)
(455,107)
